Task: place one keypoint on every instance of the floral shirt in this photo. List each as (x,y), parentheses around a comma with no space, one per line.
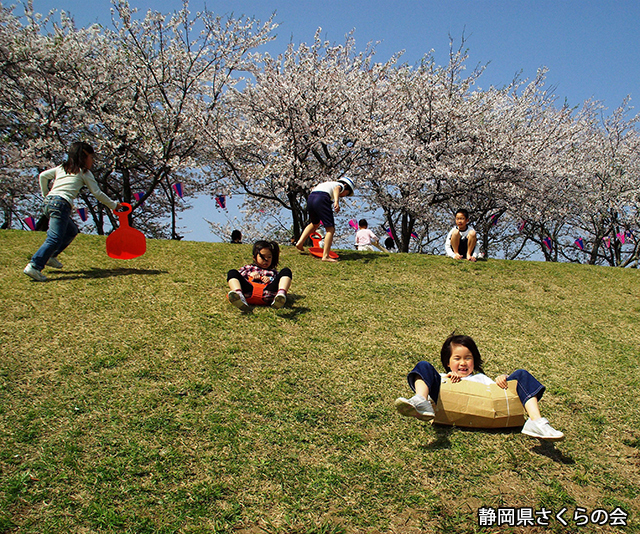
(247,270)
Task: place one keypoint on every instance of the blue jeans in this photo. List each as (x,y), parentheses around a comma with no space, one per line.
(62,231)
(527,387)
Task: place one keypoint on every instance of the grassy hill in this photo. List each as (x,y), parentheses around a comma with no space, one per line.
(134,398)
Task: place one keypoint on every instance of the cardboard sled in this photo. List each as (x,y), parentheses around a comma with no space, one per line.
(474,405)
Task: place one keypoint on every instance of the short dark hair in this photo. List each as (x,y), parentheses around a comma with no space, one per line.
(236,235)
(272,246)
(76,157)
(465,341)
(389,243)
(464,212)
(363,223)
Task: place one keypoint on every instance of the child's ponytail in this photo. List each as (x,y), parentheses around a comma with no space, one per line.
(77,157)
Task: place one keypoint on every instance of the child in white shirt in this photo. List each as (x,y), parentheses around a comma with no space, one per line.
(68,178)
(461,239)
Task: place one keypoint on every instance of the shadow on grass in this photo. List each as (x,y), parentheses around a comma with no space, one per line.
(442,441)
(292,298)
(288,311)
(104,273)
(548,449)
(444,432)
(544,448)
(292,313)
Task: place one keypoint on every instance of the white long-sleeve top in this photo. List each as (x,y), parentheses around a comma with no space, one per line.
(68,186)
(328,187)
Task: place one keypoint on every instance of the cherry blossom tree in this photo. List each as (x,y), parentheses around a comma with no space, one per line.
(29,108)
(163,99)
(606,215)
(177,67)
(298,123)
(138,94)
(521,170)
(424,143)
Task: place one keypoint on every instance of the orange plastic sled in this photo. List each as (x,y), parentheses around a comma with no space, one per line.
(125,243)
(256,297)
(316,250)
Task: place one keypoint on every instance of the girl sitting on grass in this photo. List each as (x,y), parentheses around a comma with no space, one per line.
(461,359)
(266,255)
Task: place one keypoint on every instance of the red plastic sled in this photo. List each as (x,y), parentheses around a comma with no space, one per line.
(126,243)
(316,250)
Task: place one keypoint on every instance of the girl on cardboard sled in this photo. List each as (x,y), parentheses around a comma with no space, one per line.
(464,396)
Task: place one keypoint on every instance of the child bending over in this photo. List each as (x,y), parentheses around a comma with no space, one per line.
(322,202)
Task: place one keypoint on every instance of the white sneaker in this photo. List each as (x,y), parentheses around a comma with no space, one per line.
(31,271)
(415,407)
(541,429)
(54,262)
(279,301)
(238,300)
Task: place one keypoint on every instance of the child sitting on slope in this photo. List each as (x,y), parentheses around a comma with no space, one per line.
(365,238)
(461,240)
(266,255)
(461,359)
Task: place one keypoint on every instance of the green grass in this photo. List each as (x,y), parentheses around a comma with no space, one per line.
(134,398)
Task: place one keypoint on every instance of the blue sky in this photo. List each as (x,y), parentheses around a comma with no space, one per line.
(590,47)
